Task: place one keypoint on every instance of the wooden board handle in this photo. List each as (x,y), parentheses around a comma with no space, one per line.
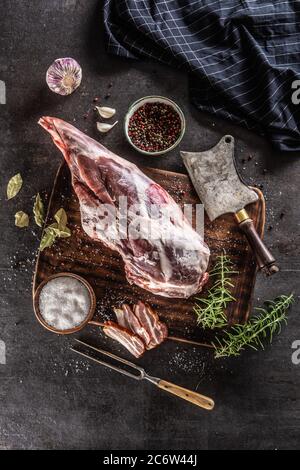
(193,397)
(264,258)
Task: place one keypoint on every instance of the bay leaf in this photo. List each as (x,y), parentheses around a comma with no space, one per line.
(61,218)
(61,233)
(38,210)
(65,233)
(21,219)
(14,185)
(48,238)
(51,233)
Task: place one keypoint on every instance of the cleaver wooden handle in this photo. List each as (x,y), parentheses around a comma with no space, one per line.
(265,260)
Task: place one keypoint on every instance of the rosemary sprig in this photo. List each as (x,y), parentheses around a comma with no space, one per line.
(211,310)
(258,328)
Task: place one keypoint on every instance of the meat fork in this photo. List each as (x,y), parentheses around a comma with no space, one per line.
(193,397)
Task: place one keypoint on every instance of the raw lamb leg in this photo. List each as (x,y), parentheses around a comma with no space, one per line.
(170,266)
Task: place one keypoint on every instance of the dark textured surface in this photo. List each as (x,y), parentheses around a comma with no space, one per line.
(48,398)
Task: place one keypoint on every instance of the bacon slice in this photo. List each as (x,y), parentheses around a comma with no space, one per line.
(124,336)
(127,319)
(137,329)
(157,330)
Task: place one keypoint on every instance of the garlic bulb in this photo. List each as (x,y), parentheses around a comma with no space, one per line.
(64,76)
(103,127)
(106,112)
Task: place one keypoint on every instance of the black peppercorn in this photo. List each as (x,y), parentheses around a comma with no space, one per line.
(154,127)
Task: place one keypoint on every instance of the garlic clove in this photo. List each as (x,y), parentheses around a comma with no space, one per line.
(103,127)
(106,112)
(64,76)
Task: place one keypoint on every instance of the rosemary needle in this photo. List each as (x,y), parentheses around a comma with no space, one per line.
(258,328)
(210,311)
(211,314)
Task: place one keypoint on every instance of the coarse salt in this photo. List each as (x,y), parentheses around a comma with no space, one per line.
(64,303)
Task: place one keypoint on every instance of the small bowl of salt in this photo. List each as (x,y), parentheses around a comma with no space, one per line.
(64,303)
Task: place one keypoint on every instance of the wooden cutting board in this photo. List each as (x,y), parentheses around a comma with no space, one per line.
(104,270)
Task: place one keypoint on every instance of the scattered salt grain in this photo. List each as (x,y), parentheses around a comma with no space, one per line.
(64,303)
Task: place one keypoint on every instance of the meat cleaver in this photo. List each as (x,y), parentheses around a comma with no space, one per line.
(221,190)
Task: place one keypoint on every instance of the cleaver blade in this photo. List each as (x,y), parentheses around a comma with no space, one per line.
(221,190)
(215,178)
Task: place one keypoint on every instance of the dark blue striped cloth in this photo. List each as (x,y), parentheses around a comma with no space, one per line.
(243,56)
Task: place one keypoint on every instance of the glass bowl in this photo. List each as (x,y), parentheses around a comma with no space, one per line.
(154,99)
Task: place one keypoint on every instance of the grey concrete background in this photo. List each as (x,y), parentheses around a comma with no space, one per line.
(48,398)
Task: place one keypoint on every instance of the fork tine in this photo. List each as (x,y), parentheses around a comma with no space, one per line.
(111,366)
(113,356)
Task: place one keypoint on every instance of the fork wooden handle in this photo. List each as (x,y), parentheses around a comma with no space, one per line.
(193,397)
